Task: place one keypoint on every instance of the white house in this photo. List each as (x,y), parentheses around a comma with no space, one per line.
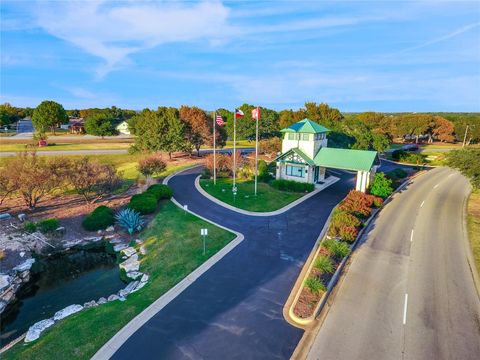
(305,156)
(122,128)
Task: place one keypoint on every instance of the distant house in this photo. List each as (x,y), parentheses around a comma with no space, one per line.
(76,125)
(122,128)
(305,156)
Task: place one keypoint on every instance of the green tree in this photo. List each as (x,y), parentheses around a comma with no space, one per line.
(381,185)
(100,124)
(49,114)
(468,163)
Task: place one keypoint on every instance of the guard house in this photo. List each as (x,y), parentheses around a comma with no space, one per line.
(305,156)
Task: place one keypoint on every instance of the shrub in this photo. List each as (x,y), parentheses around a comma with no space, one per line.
(381,185)
(145,203)
(408,157)
(130,220)
(339,249)
(292,186)
(151,165)
(30,227)
(48,225)
(324,264)
(314,285)
(357,203)
(397,173)
(348,233)
(263,174)
(99,219)
(160,191)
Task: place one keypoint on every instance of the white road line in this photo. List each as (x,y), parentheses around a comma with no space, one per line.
(411,236)
(405,309)
(436,186)
(423,202)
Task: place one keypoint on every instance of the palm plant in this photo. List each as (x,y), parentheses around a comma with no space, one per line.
(130,220)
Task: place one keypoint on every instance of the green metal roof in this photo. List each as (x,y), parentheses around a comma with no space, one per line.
(347,159)
(306,126)
(299,153)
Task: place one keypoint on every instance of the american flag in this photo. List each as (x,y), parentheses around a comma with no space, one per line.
(219,120)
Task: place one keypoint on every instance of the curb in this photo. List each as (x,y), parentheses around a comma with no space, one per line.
(112,345)
(254,213)
(470,259)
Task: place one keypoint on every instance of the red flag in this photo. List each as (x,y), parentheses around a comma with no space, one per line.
(238,113)
(256,114)
(219,120)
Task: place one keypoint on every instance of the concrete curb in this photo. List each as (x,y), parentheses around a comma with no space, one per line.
(269,213)
(468,247)
(112,345)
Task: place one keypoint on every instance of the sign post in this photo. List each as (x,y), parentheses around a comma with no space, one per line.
(204,233)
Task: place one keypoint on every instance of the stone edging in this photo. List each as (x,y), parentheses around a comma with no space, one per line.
(254,213)
(112,345)
(296,291)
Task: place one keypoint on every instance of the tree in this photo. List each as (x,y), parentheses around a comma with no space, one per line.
(49,114)
(90,179)
(323,114)
(468,163)
(198,126)
(270,147)
(151,165)
(381,185)
(442,129)
(7,186)
(100,124)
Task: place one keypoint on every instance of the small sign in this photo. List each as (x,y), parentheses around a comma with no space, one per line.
(185,207)
(204,232)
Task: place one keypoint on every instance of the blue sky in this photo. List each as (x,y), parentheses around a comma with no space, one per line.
(357,56)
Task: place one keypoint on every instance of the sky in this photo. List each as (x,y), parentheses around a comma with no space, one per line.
(384,56)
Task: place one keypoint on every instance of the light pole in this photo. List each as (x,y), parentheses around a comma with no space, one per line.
(204,233)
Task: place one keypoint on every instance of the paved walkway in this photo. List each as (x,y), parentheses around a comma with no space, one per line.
(234,310)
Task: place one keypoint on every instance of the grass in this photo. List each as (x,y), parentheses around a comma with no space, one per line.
(268,198)
(240,144)
(473,226)
(174,250)
(68,146)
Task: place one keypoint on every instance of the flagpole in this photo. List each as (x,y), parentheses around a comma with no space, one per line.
(234,148)
(256,151)
(214,152)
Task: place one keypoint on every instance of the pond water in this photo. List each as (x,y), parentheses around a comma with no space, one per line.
(66,279)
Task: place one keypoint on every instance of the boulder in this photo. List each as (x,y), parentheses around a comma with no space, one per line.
(128,289)
(90,304)
(69,310)
(36,329)
(26,265)
(113,297)
(71,243)
(115,240)
(139,286)
(5,281)
(22,254)
(99,232)
(134,275)
(22,217)
(119,247)
(131,264)
(144,278)
(143,251)
(139,242)
(60,230)
(3,305)
(101,301)
(129,251)
(110,229)
(92,238)
(5,216)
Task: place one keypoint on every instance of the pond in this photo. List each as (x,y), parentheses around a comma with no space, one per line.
(70,278)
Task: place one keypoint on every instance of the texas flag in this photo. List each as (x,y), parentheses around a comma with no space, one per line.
(256,114)
(238,113)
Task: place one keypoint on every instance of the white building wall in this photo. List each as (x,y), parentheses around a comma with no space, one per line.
(309,147)
(363,181)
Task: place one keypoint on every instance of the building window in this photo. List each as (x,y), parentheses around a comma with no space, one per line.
(320,136)
(297,171)
(305,137)
(291,136)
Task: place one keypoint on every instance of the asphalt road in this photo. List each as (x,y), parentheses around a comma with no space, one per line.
(24,130)
(409,292)
(234,310)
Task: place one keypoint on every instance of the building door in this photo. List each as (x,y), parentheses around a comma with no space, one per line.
(315,176)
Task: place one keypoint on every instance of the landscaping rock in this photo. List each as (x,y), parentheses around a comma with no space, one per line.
(26,265)
(143,251)
(3,305)
(113,297)
(22,254)
(144,278)
(5,216)
(121,298)
(131,264)
(134,275)
(101,301)
(129,251)
(90,304)
(99,232)
(139,286)
(60,230)
(22,217)
(110,229)
(119,247)
(92,238)
(69,310)
(115,241)
(128,289)
(5,281)
(139,242)
(36,329)
(72,243)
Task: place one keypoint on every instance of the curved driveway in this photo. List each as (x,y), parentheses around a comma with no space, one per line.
(234,310)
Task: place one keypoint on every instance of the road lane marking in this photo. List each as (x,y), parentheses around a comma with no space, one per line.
(411,236)
(423,202)
(405,310)
(436,186)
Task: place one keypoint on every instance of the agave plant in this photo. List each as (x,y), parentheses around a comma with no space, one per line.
(130,220)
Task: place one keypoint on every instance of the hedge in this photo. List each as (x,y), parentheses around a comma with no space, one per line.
(292,186)
(160,191)
(48,225)
(145,203)
(99,219)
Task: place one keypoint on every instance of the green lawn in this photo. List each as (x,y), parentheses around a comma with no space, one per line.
(473,225)
(67,146)
(174,249)
(268,198)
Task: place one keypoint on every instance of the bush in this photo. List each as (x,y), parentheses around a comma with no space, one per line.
(315,285)
(324,264)
(151,165)
(48,225)
(292,186)
(348,233)
(160,191)
(263,174)
(145,203)
(30,227)
(339,249)
(397,173)
(357,203)
(408,157)
(270,147)
(381,185)
(99,219)
(130,220)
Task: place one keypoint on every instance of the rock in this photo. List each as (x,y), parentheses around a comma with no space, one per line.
(36,329)
(26,265)
(129,251)
(5,281)
(139,242)
(110,229)
(22,254)
(115,241)
(69,310)
(119,247)
(5,216)
(131,264)
(72,243)
(90,304)
(143,251)
(139,286)
(121,298)
(101,301)
(144,278)
(128,289)
(3,305)
(113,297)
(134,275)
(99,232)
(60,230)
(92,238)
(108,237)
(22,217)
